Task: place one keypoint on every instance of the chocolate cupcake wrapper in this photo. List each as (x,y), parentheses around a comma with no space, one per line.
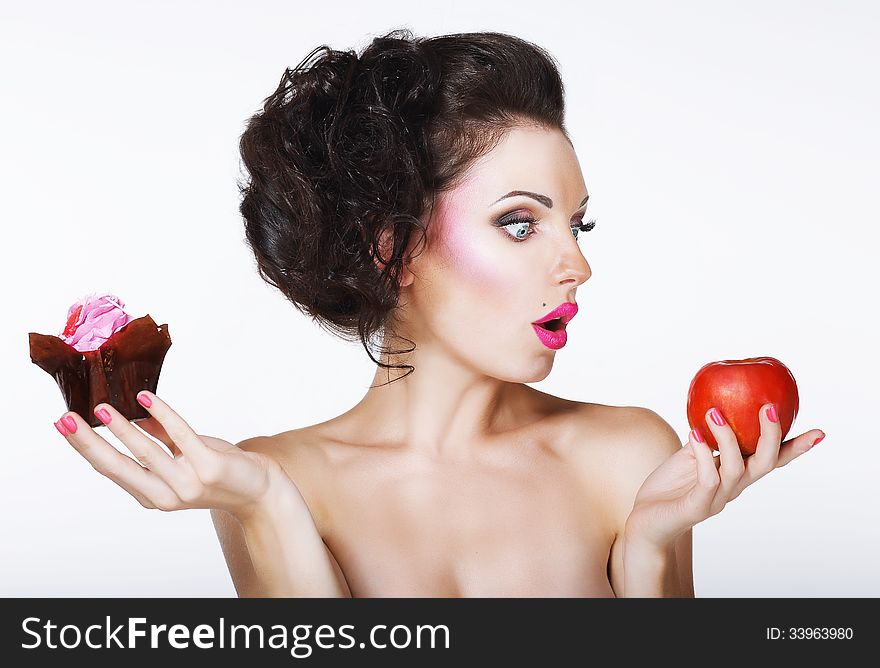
(126,363)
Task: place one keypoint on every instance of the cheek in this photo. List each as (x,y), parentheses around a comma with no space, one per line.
(475,257)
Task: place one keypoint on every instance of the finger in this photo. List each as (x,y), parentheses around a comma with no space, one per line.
(146,451)
(767,450)
(201,457)
(109,462)
(141,499)
(732,464)
(708,479)
(152,426)
(795,447)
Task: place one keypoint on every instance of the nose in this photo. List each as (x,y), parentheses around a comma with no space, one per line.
(572,267)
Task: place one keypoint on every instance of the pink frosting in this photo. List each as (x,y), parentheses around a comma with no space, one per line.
(92,320)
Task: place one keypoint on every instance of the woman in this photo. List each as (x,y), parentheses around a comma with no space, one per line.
(426,193)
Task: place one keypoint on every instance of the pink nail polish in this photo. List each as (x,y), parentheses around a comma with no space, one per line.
(716,417)
(697,435)
(60,428)
(144,400)
(103,415)
(818,439)
(70,423)
(771,413)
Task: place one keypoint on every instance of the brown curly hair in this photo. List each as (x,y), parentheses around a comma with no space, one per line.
(346,157)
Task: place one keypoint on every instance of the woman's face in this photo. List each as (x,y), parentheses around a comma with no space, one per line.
(476,287)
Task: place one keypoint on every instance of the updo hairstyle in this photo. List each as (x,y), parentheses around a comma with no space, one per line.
(345,160)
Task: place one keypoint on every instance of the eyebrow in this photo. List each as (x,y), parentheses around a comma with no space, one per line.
(543,199)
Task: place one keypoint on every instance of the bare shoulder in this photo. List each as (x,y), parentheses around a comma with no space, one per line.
(631,431)
(616,448)
(299,453)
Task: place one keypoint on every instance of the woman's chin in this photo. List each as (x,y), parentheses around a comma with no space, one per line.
(539,370)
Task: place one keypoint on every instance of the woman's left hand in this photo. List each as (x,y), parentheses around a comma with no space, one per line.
(692,485)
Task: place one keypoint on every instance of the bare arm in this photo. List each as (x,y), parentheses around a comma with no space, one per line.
(637,569)
(277,551)
(648,572)
(692,485)
(266,529)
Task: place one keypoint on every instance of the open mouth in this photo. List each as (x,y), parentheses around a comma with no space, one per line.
(552,325)
(552,332)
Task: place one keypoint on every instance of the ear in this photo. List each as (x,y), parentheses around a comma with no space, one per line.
(386,246)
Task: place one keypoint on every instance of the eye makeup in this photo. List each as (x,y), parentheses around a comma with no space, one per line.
(526,224)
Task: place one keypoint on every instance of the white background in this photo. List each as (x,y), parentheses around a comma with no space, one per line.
(730,149)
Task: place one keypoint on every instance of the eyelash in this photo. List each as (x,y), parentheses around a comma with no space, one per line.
(581,227)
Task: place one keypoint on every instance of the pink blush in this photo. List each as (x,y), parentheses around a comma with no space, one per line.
(470,252)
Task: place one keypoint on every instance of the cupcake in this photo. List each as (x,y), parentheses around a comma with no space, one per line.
(103,355)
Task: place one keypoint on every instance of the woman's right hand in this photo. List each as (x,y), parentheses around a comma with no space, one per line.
(200,471)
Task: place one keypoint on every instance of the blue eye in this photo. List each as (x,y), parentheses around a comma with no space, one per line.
(521,228)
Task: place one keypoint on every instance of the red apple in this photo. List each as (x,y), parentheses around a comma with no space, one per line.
(738,388)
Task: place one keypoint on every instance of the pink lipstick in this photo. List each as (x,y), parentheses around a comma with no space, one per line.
(551,328)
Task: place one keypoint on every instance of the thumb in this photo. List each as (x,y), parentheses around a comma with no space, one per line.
(708,479)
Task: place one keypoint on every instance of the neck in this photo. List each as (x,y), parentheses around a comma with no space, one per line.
(442,409)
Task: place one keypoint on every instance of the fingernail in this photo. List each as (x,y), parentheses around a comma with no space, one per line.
(103,415)
(771,413)
(716,417)
(60,428)
(144,400)
(70,423)
(697,435)
(817,440)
